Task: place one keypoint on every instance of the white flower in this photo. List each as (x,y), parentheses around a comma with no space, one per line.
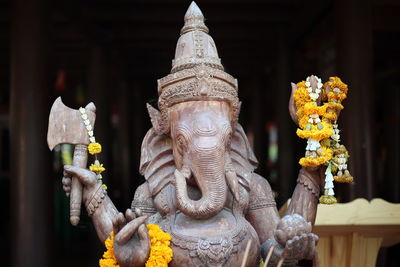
(330,192)
(314,96)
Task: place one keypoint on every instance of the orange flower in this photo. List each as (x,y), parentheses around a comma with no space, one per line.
(313,162)
(109,259)
(160,252)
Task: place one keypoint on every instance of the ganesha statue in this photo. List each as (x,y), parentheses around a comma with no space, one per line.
(200,185)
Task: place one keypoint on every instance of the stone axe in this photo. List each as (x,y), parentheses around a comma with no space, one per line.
(66,126)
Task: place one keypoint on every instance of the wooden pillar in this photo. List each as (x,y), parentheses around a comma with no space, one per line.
(31,182)
(354,66)
(286,131)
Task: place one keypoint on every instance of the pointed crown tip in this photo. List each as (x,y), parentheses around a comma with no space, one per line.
(194,19)
(193,12)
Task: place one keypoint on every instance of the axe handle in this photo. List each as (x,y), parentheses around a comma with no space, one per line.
(79,160)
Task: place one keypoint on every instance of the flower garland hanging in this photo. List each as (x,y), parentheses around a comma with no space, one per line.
(160,252)
(337,92)
(312,127)
(109,259)
(94,148)
(318,124)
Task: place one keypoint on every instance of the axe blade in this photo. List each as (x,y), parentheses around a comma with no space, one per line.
(66,125)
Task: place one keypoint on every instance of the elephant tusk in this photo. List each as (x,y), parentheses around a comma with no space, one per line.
(233,184)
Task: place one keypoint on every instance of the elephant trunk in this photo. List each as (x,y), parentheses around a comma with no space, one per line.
(209,171)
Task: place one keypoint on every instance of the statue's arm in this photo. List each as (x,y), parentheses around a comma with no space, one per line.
(103,216)
(305,196)
(262,212)
(98,205)
(263,215)
(142,202)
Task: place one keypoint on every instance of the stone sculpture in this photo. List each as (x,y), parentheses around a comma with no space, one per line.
(200,186)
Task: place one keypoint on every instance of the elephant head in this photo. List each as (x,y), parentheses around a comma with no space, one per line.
(195,136)
(201,133)
(203,148)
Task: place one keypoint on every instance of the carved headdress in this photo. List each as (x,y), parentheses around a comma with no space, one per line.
(196,74)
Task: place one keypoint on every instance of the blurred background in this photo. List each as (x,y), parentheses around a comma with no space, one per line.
(113,52)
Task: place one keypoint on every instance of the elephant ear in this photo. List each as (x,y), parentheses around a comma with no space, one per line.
(157,120)
(156,161)
(242,155)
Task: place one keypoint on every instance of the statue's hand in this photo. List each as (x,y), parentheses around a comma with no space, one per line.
(87,178)
(292,105)
(131,241)
(300,247)
(292,240)
(294,235)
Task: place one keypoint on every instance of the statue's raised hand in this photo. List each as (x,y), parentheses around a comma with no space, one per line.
(292,240)
(87,178)
(313,85)
(131,241)
(292,105)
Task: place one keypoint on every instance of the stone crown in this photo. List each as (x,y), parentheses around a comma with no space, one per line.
(195,46)
(197,72)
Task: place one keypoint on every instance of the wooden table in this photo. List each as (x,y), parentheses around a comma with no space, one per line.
(351,234)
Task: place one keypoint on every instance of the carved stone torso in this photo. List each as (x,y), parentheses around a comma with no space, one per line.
(216,241)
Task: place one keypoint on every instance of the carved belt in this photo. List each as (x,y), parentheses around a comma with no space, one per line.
(211,251)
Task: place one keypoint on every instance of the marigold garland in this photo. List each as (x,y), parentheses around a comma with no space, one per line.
(109,259)
(94,147)
(337,90)
(313,162)
(301,95)
(160,252)
(316,132)
(97,167)
(318,125)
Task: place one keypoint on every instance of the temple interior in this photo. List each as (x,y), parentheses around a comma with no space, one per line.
(113,52)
